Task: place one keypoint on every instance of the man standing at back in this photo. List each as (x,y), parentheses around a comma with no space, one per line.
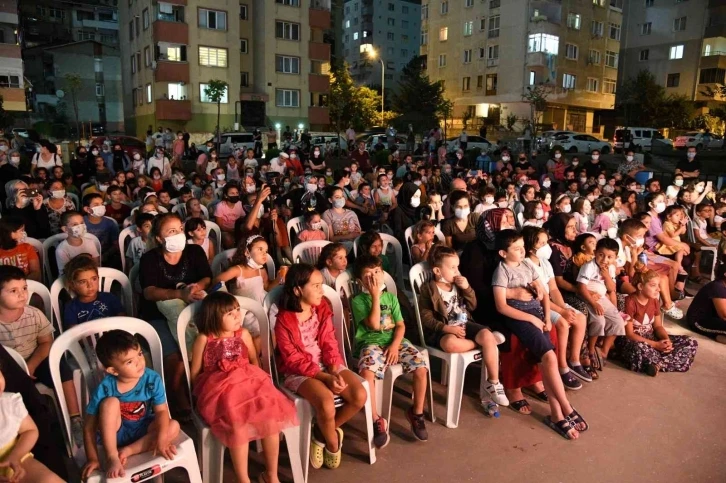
(690,167)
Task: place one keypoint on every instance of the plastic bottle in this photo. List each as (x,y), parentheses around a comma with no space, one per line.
(491,409)
(643,258)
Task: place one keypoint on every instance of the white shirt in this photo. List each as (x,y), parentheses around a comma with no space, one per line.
(276,166)
(55,160)
(544,270)
(65,252)
(590,275)
(12,413)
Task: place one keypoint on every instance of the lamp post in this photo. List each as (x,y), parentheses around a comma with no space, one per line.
(372,54)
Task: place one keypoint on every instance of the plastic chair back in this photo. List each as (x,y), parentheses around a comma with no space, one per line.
(51,266)
(214,233)
(418,275)
(408,235)
(18,359)
(124,238)
(397,258)
(37,288)
(308,252)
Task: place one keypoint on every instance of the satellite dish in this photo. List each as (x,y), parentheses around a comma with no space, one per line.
(60,94)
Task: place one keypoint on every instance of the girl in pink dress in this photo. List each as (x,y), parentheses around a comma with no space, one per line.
(233,395)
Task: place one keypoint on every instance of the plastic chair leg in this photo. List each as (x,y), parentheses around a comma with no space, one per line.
(211,455)
(444,372)
(369,424)
(385,389)
(292,439)
(454,391)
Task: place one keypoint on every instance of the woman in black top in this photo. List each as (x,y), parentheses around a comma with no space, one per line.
(407,212)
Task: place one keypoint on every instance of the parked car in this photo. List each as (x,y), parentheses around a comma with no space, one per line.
(581,143)
(129,144)
(641,138)
(320,138)
(230,142)
(471,142)
(373,140)
(695,139)
(544,140)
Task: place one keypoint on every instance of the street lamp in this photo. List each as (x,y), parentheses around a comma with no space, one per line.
(372,54)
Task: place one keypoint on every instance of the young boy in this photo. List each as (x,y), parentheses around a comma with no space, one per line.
(128,409)
(313,227)
(73,224)
(379,343)
(81,277)
(530,322)
(137,245)
(105,229)
(596,286)
(115,209)
(486,195)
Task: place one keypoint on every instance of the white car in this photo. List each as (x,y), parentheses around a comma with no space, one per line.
(695,139)
(320,138)
(581,143)
(471,142)
(232,141)
(544,140)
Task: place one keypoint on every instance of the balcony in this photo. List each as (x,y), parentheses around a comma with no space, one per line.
(10,50)
(13,98)
(167,71)
(172,32)
(318,115)
(319,18)
(715,59)
(100,24)
(318,83)
(168,110)
(319,51)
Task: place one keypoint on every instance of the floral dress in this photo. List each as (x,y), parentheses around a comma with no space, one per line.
(637,354)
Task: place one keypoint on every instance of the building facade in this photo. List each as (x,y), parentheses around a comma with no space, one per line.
(682,43)
(48,22)
(12,82)
(391,27)
(271,53)
(488,53)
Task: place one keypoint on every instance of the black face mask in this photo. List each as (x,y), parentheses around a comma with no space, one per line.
(233,199)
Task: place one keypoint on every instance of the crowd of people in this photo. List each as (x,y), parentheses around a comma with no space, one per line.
(569,265)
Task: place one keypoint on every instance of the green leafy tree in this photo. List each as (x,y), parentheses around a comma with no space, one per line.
(643,102)
(74,84)
(215,91)
(536,97)
(444,111)
(419,100)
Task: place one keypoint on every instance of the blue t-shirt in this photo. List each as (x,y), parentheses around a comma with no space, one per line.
(137,405)
(106,231)
(105,305)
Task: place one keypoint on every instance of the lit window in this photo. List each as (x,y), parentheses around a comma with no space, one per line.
(676,52)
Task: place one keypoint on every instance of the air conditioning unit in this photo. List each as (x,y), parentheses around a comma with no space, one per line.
(153,65)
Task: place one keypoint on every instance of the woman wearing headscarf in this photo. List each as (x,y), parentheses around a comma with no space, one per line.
(120,160)
(407,212)
(30,210)
(81,166)
(518,370)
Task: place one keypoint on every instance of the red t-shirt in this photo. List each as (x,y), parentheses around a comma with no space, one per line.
(20,257)
(119,214)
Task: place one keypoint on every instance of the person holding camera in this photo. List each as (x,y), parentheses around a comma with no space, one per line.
(27,204)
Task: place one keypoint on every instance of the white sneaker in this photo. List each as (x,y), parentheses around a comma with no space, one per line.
(496,392)
(674,312)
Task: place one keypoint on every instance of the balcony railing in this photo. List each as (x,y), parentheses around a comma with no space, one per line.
(714,52)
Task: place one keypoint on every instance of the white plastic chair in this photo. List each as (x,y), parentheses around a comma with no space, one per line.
(221,263)
(80,341)
(51,269)
(75,200)
(297,224)
(309,251)
(211,450)
(454,364)
(306,412)
(126,235)
(18,359)
(408,235)
(37,288)
(397,254)
(38,246)
(214,233)
(106,277)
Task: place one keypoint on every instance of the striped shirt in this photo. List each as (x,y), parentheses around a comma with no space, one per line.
(22,334)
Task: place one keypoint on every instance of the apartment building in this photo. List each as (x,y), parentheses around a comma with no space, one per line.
(682,42)
(271,53)
(50,22)
(489,52)
(12,82)
(391,27)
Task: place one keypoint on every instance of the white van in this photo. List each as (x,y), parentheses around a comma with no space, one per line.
(641,138)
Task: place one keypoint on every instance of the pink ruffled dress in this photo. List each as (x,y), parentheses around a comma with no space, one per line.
(238,399)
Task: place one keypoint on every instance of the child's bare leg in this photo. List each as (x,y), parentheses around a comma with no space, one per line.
(419,389)
(109,422)
(578,336)
(563,333)
(69,392)
(371,378)
(490,355)
(271,451)
(665,293)
(35,471)
(559,405)
(696,268)
(321,398)
(354,396)
(591,341)
(240,457)
(607,344)
(148,441)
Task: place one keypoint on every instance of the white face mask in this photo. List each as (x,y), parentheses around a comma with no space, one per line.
(338,203)
(98,210)
(220,177)
(137,156)
(14,160)
(462,213)
(415,202)
(79,231)
(595,157)
(660,207)
(175,243)
(566,208)
(505,158)
(628,158)
(253,264)
(57,194)
(311,187)
(546,183)
(544,252)
(250,188)
(502,204)
(639,242)
(691,155)
(583,180)
(417,182)
(489,200)
(317,226)
(602,181)
(678,182)
(94,152)
(612,232)
(558,156)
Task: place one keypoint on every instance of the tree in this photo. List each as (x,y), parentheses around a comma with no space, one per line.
(419,100)
(74,85)
(537,98)
(445,110)
(644,102)
(215,91)
(352,105)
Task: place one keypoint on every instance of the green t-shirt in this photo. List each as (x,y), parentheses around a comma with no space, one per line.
(390,315)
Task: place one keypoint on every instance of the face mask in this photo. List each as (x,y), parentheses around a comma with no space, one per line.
(462,213)
(57,194)
(558,156)
(489,200)
(595,157)
(103,188)
(699,188)
(338,203)
(137,156)
(233,199)
(94,152)
(98,210)
(639,242)
(250,188)
(415,202)
(546,183)
(502,204)
(505,158)
(566,208)
(312,188)
(602,182)
(629,158)
(660,207)
(539,214)
(417,182)
(544,252)
(286,184)
(328,173)
(153,212)
(175,243)
(583,180)
(14,161)
(79,231)
(317,226)
(612,233)
(220,177)
(159,155)
(678,182)
(691,155)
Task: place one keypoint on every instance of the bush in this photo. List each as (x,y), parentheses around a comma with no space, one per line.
(271,154)
(557,147)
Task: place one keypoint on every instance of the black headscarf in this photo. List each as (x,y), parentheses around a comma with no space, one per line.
(490,222)
(404,199)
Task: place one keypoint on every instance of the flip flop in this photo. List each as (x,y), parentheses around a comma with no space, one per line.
(517,406)
(560,427)
(541,396)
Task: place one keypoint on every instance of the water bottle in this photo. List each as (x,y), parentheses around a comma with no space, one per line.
(491,409)
(643,258)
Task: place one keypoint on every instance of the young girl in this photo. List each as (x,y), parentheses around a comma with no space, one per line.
(371,243)
(424,238)
(563,204)
(384,195)
(208,195)
(583,250)
(156,182)
(546,198)
(196,230)
(14,250)
(342,222)
(56,204)
(141,183)
(234,396)
(446,304)
(486,195)
(646,346)
(581,211)
(313,227)
(604,223)
(332,262)
(311,362)
(533,214)
(194,209)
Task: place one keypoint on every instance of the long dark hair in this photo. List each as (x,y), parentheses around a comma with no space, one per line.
(8,225)
(297,277)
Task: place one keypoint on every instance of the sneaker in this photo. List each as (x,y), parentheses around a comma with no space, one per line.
(496,392)
(381,437)
(580,372)
(570,381)
(77,431)
(418,425)
(674,312)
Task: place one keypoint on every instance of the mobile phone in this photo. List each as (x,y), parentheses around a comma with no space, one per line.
(215,288)
(473,172)
(31,193)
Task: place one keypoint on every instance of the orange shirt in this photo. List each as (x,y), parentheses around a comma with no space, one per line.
(20,257)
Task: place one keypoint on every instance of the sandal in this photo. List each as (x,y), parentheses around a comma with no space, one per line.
(593,373)
(541,396)
(577,420)
(560,427)
(595,360)
(517,406)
